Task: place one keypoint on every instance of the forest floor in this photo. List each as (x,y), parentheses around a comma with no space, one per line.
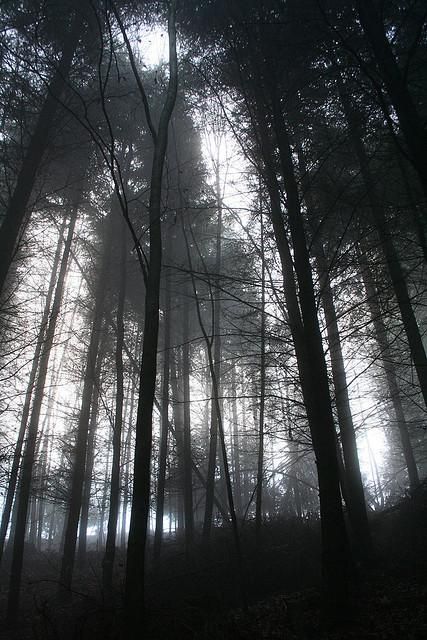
(200,598)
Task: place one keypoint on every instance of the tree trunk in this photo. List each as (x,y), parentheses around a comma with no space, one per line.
(304,325)
(90,459)
(164,425)
(260,462)
(80,448)
(113,515)
(135,567)
(354,493)
(393,262)
(216,309)
(237,480)
(28,395)
(351,477)
(387,360)
(188,475)
(30,448)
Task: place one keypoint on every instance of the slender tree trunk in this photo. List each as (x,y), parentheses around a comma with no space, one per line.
(80,448)
(187,469)
(387,360)
(126,469)
(28,395)
(351,477)
(393,262)
(304,325)
(101,519)
(164,425)
(212,459)
(354,493)
(90,459)
(135,567)
(178,419)
(236,445)
(16,210)
(113,515)
(260,462)
(41,498)
(213,369)
(30,448)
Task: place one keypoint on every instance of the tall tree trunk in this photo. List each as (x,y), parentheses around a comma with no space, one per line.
(387,360)
(28,396)
(187,469)
(164,424)
(236,446)
(30,448)
(178,431)
(213,361)
(126,465)
(307,339)
(90,460)
(260,461)
(80,447)
(393,262)
(113,515)
(135,567)
(216,310)
(351,477)
(39,141)
(354,493)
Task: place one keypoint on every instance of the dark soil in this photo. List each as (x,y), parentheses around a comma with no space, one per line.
(201,597)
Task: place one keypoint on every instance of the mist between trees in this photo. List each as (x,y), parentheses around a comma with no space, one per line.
(212,277)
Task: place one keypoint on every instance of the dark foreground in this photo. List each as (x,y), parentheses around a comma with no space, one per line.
(200,598)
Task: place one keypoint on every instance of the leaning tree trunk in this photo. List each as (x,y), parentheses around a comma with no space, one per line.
(15,213)
(30,448)
(135,566)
